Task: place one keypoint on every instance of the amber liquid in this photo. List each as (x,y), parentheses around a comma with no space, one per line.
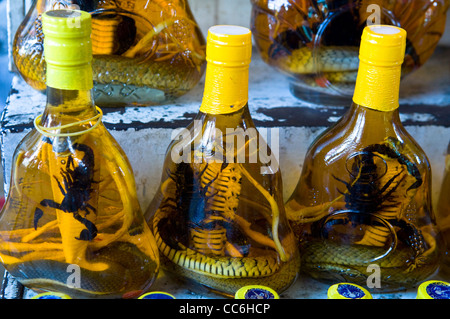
(316,42)
(222,209)
(443,218)
(364,199)
(72,222)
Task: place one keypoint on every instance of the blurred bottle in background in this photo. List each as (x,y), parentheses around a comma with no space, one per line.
(5,74)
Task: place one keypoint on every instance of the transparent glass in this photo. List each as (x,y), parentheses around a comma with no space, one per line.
(316,43)
(72,222)
(362,205)
(443,216)
(145,52)
(218,216)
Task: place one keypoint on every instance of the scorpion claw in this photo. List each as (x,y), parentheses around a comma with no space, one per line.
(86,235)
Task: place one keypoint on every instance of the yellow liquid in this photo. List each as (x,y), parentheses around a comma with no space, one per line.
(443,218)
(363,201)
(72,222)
(317,42)
(145,52)
(218,222)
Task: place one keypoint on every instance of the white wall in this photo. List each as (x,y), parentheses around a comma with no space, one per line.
(212,12)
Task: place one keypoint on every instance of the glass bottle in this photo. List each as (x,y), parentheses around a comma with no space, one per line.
(145,52)
(362,205)
(443,216)
(72,221)
(315,42)
(218,216)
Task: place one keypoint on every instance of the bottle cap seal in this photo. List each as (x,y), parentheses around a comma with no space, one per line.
(256,292)
(348,291)
(66,24)
(383,45)
(157,295)
(51,295)
(229,45)
(434,289)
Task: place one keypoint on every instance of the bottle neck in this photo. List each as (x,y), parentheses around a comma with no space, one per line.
(68,106)
(239,119)
(368,125)
(377,87)
(69,94)
(226,88)
(376,117)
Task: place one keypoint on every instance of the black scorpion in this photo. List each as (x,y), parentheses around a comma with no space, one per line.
(77,188)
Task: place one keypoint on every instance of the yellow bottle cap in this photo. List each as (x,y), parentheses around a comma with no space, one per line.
(67,37)
(348,291)
(157,295)
(383,45)
(68,49)
(256,292)
(434,289)
(229,45)
(51,295)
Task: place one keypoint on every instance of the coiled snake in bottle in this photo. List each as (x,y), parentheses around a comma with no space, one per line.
(213,244)
(316,43)
(130,53)
(369,224)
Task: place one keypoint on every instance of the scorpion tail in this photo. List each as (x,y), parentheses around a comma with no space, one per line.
(90,232)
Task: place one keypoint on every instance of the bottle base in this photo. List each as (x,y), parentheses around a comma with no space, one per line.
(319,96)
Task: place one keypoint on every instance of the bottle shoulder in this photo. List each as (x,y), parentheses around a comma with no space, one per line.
(339,142)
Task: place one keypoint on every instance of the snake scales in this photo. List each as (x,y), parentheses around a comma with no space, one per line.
(336,64)
(127,266)
(220,249)
(334,262)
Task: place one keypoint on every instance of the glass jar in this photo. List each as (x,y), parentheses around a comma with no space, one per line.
(145,52)
(316,42)
(226,219)
(362,207)
(72,222)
